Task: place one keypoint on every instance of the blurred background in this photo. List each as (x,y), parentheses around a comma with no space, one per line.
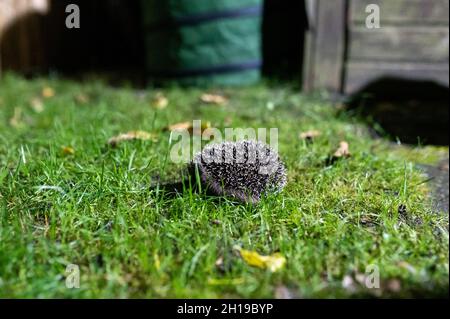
(397,74)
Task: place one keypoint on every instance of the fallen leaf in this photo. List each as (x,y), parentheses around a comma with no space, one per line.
(349,284)
(157,262)
(282,292)
(309,135)
(160,102)
(16,119)
(343,150)
(37,104)
(361,279)
(225,281)
(67,150)
(393,285)
(132,135)
(228,121)
(48,92)
(273,262)
(219,264)
(444,166)
(188,126)
(82,98)
(209,98)
(180,126)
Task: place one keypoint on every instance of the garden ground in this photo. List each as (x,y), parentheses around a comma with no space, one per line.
(67,197)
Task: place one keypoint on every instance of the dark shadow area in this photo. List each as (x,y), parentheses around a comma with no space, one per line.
(283,32)
(412,111)
(108,42)
(22,48)
(171,190)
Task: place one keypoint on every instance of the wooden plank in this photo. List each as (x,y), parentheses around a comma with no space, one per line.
(411,44)
(360,74)
(402,12)
(309,47)
(328,46)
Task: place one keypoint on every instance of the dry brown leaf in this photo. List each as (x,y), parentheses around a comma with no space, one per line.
(180,126)
(219,263)
(67,150)
(343,150)
(282,292)
(310,135)
(160,102)
(349,284)
(132,135)
(393,285)
(37,104)
(188,126)
(444,166)
(252,258)
(82,98)
(16,119)
(228,121)
(209,98)
(361,278)
(48,92)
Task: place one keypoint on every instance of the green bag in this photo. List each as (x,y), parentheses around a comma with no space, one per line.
(203,42)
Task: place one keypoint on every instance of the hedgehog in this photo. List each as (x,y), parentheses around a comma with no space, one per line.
(244,170)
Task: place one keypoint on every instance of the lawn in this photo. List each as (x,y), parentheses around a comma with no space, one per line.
(67,197)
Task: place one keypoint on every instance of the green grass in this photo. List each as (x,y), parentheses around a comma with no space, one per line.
(132,241)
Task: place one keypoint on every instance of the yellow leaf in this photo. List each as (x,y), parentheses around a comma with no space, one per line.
(132,135)
(48,92)
(67,150)
(225,281)
(157,262)
(160,102)
(213,99)
(252,258)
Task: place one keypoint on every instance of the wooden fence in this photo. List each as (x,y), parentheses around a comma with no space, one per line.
(343,55)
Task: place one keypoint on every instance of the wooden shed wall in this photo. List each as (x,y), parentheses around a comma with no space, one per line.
(344,55)
(22,28)
(413,42)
